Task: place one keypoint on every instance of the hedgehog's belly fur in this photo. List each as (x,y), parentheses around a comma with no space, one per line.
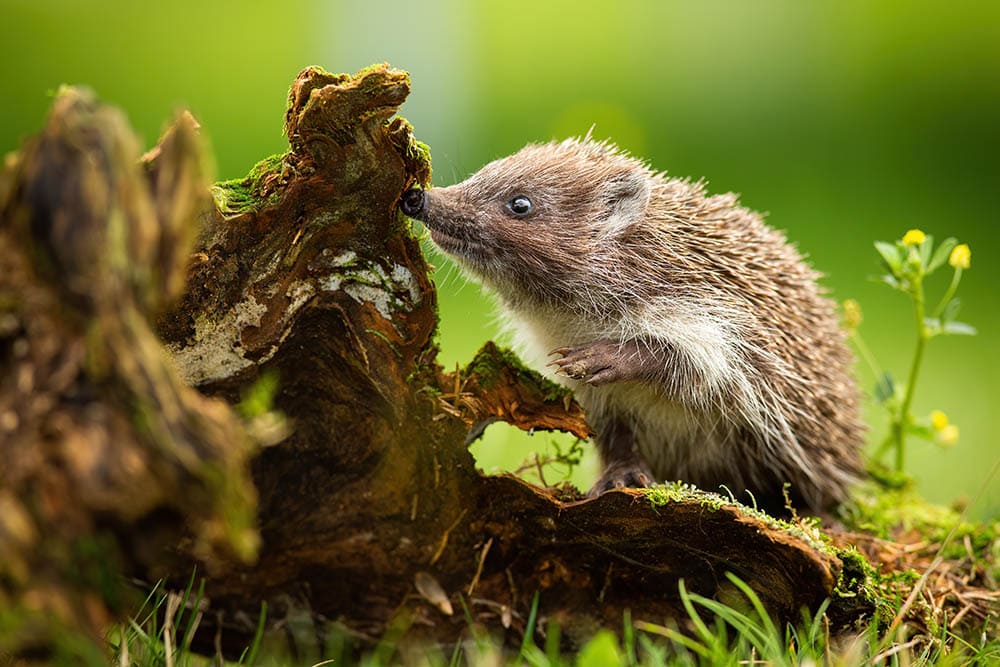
(678,443)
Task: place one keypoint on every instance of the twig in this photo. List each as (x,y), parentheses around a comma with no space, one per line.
(896,649)
(912,597)
(444,538)
(479,568)
(960,615)
(173,602)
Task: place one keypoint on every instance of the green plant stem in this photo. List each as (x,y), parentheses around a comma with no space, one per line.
(903,418)
(949,293)
(866,354)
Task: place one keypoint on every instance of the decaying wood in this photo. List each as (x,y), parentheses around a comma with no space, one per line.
(371,509)
(108,456)
(496,387)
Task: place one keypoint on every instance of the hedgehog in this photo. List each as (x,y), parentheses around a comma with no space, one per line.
(696,337)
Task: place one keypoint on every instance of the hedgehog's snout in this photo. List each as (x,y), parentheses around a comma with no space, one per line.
(412,203)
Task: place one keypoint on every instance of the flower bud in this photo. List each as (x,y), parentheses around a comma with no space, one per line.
(961,256)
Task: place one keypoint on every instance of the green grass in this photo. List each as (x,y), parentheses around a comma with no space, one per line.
(712,633)
(162,630)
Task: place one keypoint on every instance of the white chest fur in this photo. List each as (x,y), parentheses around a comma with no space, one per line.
(677,441)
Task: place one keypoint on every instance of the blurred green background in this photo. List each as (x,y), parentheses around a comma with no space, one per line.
(847,122)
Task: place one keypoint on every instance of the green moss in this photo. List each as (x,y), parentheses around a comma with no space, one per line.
(857,576)
(678,492)
(416,154)
(491,361)
(418,150)
(258,398)
(553,391)
(860,590)
(419,153)
(806,530)
(329,78)
(254,191)
(374,68)
(886,511)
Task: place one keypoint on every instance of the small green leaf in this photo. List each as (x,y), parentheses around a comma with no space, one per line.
(885,388)
(951,311)
(942,253)
(892,255)
(601,650)
(891,281)
(959,329)
(921,431)
(925,251)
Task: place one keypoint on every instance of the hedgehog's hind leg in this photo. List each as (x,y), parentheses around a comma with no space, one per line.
(622,464)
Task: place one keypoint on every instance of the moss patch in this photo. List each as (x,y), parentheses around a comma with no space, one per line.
(491,362)
(257,190)
(857,585)
(888,512)
(805,529)
(416,154)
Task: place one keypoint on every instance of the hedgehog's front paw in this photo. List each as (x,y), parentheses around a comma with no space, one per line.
(594,363)
(621,475)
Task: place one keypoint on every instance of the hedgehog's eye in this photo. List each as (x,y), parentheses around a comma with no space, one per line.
(520,205)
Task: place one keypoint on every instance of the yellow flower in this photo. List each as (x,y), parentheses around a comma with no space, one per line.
(961,256)
(914,237)
(948,436)
(852,314)
(939,420)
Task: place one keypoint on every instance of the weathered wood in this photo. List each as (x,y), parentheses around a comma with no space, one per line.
(108,456)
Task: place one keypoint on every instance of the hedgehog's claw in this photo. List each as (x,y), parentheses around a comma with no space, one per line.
(593,363)
(632,474)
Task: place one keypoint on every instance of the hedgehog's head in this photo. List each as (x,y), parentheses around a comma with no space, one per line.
(541,219)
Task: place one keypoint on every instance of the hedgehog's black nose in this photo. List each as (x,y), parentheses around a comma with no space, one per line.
(412,202)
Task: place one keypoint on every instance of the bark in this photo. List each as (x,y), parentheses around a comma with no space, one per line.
(371,509)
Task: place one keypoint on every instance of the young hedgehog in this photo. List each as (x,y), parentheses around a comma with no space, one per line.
(694,336)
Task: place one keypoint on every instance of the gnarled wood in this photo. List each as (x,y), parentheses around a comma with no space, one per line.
(108,456)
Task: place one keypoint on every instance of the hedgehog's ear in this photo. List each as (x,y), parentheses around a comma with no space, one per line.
(625,197)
